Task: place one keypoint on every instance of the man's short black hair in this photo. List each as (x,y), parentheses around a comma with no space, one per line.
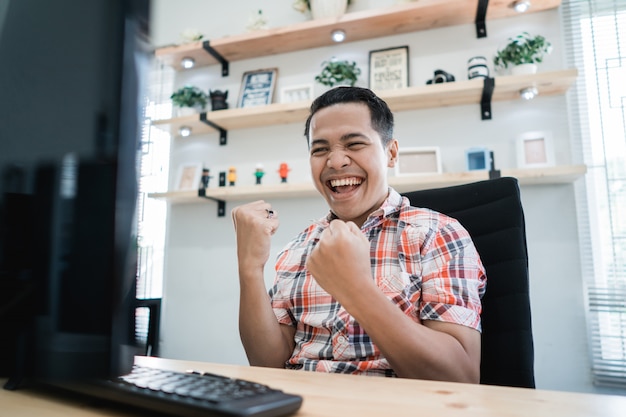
(380,115)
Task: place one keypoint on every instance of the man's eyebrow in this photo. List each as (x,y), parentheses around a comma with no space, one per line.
(319,142)
(344,138)
(349,136)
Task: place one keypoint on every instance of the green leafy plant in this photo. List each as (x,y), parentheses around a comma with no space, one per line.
(523,49)
(304,5)
(336,72)
(189,96)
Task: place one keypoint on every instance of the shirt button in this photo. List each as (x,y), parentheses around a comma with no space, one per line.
(342,340)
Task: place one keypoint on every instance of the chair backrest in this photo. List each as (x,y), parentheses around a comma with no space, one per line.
(492,213)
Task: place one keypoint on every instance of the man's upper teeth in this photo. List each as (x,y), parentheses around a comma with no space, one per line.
(345,181)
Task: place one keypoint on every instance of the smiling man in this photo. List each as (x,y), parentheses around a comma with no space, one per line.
(376,287)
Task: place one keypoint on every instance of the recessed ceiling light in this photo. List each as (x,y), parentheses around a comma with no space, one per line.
(338,35)
(184,131)
(187,62)
(528,93)
(521,6)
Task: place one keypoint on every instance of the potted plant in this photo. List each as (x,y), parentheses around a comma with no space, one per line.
(189,97)
(523,53)
(338,72)
(322,8)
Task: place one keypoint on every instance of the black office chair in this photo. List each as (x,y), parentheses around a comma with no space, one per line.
(492,213)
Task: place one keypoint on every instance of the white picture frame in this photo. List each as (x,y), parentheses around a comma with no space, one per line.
(188,177)
(418,161)
(535,149)
(296,93)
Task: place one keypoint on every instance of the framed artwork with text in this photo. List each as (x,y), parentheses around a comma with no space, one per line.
(389,68)
(257,87)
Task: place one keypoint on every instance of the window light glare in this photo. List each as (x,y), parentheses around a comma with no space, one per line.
(187,62)
(338,35)
(528,93)
(184,131)
(521,6)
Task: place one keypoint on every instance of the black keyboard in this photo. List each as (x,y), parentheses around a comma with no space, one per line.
(191,394)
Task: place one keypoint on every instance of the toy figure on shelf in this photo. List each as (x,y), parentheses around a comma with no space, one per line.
(204,180)
(259,173)
(283,171)
(232,175)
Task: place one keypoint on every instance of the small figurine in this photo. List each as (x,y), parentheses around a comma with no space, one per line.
(204,180)
(259,173)
(283,171)
(232,175)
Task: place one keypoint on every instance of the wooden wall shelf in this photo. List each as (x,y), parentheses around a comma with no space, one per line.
(367,24)
(361,25)
(528,176)
(417,97)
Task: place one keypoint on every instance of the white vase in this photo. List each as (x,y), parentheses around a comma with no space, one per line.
(524,69)
(321,9)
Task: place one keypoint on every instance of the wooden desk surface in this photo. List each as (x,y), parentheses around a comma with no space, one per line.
(346,395)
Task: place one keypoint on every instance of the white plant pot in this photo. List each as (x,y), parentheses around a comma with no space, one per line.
(321,9)
(186,111)
(524,69)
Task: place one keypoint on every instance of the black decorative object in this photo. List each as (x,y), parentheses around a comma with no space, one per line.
(493,172)
(218,99)
(441,77)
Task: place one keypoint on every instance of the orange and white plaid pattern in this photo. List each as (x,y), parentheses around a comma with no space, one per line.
(425,262)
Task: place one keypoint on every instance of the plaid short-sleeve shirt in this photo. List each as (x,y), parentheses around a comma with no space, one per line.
(424,262)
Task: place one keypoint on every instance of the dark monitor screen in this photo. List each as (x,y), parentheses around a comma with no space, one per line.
(71,78)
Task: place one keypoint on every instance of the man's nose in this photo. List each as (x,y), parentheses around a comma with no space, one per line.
(337,159)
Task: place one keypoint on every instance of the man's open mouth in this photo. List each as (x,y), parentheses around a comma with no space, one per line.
(344,185)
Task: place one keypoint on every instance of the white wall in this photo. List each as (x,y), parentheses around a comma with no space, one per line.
(201,288)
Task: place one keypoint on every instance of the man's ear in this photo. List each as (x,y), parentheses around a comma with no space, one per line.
(392,153)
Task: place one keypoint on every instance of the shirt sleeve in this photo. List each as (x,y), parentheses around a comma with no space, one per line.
(279,293)
(453,277)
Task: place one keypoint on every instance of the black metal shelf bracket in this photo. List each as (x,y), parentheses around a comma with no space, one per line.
(485,101)
(221,204)
(223,132)
(481,14)
(206,45)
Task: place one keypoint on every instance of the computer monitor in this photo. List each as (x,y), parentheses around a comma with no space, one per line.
(71,78)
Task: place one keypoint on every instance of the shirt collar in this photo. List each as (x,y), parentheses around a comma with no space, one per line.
(392,204)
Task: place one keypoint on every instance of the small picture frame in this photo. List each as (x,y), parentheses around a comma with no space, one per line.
(478,159)
(257,87)
(421,160)
(188,177)
(389,68)
(534,149)
(296,93)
